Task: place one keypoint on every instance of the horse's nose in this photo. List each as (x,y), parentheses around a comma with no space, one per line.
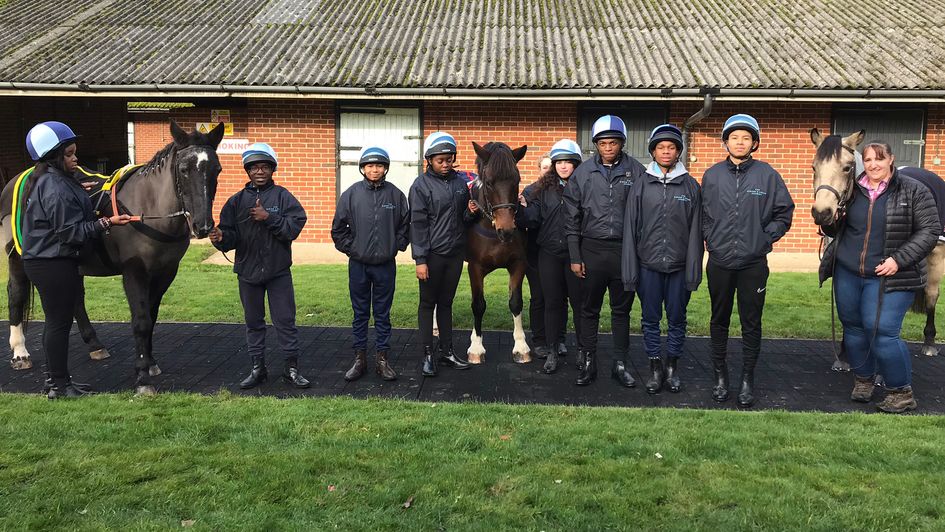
(504,235)
(821,217)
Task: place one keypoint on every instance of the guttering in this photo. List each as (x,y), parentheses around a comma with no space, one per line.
(470,93)
(693,120)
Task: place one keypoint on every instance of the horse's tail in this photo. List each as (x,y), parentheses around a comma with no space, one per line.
(919,305)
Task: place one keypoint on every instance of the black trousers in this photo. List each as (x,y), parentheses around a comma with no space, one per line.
(602,268)
(281,309)
(561,287)
(749,286)
(59,286)
(536,302)
(438,292)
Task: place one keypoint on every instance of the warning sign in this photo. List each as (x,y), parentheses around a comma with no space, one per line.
(219,115)
(205,127)
(237,146)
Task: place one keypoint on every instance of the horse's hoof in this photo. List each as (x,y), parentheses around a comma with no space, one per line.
(930,350)
(99,354)
(154,370)
(475,358)
(839,365)
(522,358)
(145,391)
(20,363)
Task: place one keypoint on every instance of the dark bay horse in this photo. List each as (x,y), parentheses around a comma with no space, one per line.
(835,168)
(493,242)
(173,193)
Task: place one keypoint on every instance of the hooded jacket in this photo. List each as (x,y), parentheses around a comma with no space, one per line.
(371,222)
(745,209)
(437,215)
(663,226)
(263,249)
(58,219)
(544,216)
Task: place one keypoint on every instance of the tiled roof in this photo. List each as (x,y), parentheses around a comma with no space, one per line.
(476,44)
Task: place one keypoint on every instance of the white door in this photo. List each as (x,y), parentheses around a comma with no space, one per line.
(396,129)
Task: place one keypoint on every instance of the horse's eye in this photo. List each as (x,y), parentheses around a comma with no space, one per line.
(846,168)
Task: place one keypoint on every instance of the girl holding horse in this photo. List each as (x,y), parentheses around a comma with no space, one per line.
(544,215)
(662,251)
(438,199)
(877,261)
(58,221)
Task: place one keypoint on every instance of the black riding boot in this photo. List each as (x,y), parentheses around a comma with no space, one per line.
(579,360)
(258,375)
(429,362)
(655,382)
(449,358)
(79,387)
(621,372)
(541,352)
(359,367)
(746,396)
(588,368)
(720,391)
(551,362)
(63,389)
(672,375)
(383,367)
(292,375)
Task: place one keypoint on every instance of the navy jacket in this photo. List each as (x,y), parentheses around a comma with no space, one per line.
(544,216)
(745,209)
(371,222)
(437,211)
(59,218)
(263,249)
(595,200)
(663,227)
(936,186)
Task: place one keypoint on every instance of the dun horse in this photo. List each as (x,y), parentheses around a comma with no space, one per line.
(173,193)
(493,242)
(835,169)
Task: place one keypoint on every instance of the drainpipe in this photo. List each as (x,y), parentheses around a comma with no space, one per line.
(709,95)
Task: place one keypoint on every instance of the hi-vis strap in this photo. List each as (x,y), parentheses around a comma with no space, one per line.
(20,184)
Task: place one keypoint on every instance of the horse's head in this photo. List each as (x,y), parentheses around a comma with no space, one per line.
(196,171)
(834,173)
(498,172)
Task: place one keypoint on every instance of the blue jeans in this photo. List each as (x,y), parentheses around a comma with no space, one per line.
(371,285)
(857,298)
(654,290)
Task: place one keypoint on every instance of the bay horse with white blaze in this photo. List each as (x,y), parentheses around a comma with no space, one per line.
(835,170)
(173,195)
(493,241)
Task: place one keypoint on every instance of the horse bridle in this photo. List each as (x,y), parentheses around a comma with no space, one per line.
(489,209)
(842,199)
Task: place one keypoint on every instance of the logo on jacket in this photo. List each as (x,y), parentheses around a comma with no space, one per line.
(756,192)
(274,209)
(627,182)
(681,197)
(388,205)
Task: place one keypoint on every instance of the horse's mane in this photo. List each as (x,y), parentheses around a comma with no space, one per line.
(501,161)
(157,159)
(830,148)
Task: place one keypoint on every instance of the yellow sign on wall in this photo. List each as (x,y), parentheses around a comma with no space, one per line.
(205,127)
(219,115)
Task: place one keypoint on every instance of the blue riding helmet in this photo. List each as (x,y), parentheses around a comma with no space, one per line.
(260,152)
(373,155)
(45,137)
(609,127)
(741,121)
(439,143)
(665,132)
(566,150)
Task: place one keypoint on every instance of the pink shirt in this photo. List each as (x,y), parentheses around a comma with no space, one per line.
(874,192)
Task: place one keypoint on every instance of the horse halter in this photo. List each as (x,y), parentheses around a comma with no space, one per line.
(489,209)
(842,199)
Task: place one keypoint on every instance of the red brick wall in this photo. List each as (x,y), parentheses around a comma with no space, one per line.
(101,123)
(303,133)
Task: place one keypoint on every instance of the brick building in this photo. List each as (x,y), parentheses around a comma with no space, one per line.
(319,79)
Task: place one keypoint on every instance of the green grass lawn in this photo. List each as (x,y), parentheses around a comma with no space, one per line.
(795,308)
(225,463)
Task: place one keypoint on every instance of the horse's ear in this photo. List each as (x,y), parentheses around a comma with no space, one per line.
(855,139)
(181,137)
(216,135)
(816,137)
(481,152)
(519,153)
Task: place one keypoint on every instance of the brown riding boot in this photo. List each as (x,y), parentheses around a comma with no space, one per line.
(358,368)
(898,401)
(863,389)
(383,367)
